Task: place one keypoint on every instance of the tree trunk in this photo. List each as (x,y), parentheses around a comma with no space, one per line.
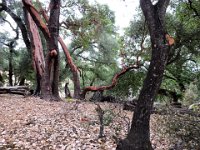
(67,91)
(10,74)
(139,136)
(174,96)
(1,79)
(38,86)
(73,67)
(37,50)
(38,20)
(74,70)
(51,78)
(22,81)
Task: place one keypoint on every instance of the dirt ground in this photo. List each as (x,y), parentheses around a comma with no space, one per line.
(33,124)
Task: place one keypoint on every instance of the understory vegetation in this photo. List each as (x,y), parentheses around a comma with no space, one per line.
(103,85)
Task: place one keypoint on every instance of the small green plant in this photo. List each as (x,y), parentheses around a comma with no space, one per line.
(108,117)
(69,100)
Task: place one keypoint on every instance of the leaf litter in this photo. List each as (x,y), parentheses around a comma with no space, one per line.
(33,124)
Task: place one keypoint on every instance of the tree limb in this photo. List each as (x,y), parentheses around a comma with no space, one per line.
(36,17)
(20,23)
(114,81)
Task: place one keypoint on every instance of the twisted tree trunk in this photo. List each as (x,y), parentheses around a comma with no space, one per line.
(37,50)
(50,77)
(139,136)
(73,67)
(52,58)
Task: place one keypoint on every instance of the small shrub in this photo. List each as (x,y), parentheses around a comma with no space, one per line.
(108,117)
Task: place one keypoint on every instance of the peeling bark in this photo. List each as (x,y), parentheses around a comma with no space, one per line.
(50,78)
(37,51)
(37,19)
(74,69)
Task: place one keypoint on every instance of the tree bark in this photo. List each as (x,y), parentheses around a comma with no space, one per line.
(50,78)
(37,50)
(67,91)
(10,74)
(53,60)
(74,70)
(35,14)
(22,81)
(73,67)
(139,136)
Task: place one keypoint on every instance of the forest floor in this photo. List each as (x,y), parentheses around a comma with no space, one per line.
(32,123)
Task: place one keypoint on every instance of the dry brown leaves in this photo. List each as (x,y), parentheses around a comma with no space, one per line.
(32,123)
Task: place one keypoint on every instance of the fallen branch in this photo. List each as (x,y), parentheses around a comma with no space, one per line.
(20,90)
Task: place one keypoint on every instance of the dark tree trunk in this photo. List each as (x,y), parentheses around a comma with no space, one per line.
(1,80)
(38,87)
(11,46)
(51,77)
(10,74)
(139,136)
(67,91)
(22,81)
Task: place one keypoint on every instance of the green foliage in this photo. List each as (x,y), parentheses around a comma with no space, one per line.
(131,80)
(23,66)
(108,117)
(183,69)
(94,46)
